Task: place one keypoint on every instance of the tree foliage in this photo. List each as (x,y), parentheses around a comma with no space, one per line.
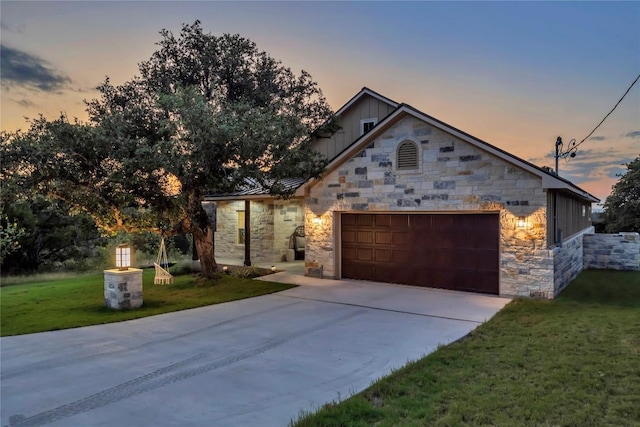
(49,237)
(204,114)
(622,207)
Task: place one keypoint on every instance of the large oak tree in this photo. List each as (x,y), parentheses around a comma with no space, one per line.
(622,207)
(204,114)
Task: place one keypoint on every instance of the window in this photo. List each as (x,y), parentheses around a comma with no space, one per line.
(407,155)
(241,227)
(584,211)
(367,124)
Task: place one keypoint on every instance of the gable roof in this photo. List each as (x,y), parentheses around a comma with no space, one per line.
(549,180)
(365,91)
(252,189)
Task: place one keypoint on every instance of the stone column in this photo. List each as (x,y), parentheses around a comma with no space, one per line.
(123,288)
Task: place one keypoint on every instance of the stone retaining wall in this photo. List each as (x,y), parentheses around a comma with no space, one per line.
(568,261)
(612,251)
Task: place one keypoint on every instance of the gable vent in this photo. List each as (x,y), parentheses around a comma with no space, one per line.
(407,155)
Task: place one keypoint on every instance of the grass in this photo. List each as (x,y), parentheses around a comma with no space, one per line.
(574,361)
(71,302)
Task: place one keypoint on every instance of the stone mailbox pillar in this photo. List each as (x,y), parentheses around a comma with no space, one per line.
(123,288)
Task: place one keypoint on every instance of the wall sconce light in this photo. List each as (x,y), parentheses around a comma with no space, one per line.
(317,220)
(273,268)
(225,269)
(123,257)
(521,222)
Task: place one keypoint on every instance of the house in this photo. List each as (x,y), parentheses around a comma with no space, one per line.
(409,199)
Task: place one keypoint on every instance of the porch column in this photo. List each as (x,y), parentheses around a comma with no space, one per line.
(247,233)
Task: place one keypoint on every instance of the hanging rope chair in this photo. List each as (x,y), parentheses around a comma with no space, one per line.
(163,277)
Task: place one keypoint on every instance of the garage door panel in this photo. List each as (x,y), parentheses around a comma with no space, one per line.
(400,238)
(450,251)
(365,254)
(365,236)
(348,236)
(383,255)
(348,220)
(358,270)
(383,237)
(382,220)
(487,260)
(401,256)
(399,222)
(349,253)
(365,220)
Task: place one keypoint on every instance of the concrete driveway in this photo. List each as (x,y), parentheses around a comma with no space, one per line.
(258,361)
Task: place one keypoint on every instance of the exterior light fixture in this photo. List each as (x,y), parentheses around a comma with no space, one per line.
(273,268)
(522,222)
(225,269)
(123,257)
(317,220)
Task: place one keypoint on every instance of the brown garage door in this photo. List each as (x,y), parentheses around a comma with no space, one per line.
(458,252)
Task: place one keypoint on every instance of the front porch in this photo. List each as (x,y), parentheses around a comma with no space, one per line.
(292,267)
(258,232)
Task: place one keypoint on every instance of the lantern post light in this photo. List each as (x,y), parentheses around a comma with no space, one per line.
(123,284)
(123,257)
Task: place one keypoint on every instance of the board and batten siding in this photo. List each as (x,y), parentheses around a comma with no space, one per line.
(573,215)
(367,107)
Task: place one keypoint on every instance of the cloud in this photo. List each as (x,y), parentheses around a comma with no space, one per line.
(20,68)
(633,134)
(5,26)
(24,102)
(598,138)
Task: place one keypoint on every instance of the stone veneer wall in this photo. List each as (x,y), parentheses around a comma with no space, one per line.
(612,251)
(567,261)
(453,176)
(272,223)
(289,214)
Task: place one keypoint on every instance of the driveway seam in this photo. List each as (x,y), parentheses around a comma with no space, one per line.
(382,309)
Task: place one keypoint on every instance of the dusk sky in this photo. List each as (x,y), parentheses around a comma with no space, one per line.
(514,74)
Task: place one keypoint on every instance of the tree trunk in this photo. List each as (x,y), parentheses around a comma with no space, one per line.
(203,240)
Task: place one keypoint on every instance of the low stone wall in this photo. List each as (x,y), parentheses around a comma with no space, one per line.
(568,261)
(612,251)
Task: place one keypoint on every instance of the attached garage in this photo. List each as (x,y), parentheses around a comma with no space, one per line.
(449,251)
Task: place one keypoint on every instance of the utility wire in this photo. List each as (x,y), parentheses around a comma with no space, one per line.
(608,114)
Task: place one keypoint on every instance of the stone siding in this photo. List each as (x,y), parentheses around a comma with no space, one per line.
(567,261)
(289,214)
(612,251)
(272,223)
(123,289)
(453,176)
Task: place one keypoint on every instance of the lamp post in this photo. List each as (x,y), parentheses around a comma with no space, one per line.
(123,284)
(123,257)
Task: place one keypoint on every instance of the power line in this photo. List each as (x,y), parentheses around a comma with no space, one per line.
(608,114)
(572,147)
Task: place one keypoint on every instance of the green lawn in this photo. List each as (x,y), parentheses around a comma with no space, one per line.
(79,301)
(574,361)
